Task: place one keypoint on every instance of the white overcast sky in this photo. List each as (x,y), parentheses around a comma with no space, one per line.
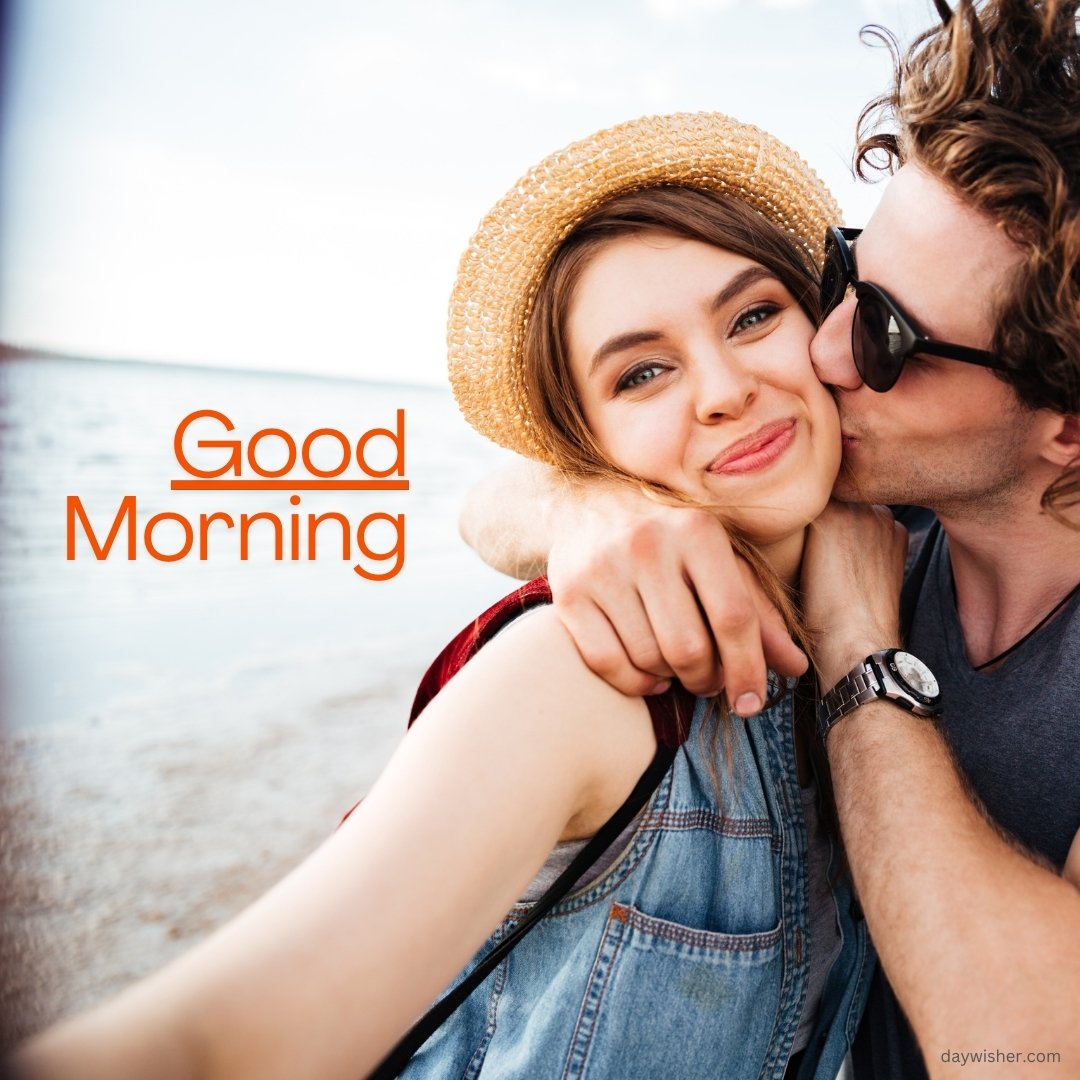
(288,184)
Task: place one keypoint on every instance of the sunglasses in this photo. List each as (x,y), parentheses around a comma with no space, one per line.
(882,336)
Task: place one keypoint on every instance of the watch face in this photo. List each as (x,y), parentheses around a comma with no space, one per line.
(916,674)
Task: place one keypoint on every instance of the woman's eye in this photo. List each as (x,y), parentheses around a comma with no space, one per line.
(638,376)
(755,317)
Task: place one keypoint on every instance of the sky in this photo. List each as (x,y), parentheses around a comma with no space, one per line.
(288,184)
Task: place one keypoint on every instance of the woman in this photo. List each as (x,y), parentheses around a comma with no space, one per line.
(641,304)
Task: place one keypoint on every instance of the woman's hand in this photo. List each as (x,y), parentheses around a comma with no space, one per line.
(649,591)
(852,570)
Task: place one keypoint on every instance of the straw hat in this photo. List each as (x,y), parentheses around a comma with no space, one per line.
(500,272)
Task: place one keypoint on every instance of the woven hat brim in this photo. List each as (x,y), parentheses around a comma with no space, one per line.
(500,271)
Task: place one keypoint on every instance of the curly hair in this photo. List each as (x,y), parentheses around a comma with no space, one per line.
(989,103)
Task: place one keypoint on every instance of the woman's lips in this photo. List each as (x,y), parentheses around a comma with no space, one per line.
(756,451)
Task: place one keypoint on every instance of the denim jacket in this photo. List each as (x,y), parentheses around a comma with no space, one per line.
(689,956)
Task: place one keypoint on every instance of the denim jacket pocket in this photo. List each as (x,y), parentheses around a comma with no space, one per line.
(687,976)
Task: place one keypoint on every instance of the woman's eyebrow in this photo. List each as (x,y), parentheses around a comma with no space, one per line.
(742,280)
(620,342)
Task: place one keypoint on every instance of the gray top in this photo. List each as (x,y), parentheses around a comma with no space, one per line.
(1015,731)
(562,855)
(1016,735)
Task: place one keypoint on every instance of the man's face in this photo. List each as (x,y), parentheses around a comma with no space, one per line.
(949,435)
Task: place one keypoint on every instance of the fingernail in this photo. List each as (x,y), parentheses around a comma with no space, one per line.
(660,687)
(747,704)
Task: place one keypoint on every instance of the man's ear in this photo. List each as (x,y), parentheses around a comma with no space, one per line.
(1061,446)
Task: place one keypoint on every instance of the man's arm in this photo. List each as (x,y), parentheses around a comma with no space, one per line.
(504,519)
(980,942)
(646,590)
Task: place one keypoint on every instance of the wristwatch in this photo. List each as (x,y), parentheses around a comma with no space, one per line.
(890,675)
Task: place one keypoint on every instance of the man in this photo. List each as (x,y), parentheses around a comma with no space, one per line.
(958,832)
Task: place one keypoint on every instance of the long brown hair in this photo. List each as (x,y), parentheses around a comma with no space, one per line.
(696,214)
(988,102)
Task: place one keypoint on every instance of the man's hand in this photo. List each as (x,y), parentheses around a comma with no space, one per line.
(853,567)
(649,591)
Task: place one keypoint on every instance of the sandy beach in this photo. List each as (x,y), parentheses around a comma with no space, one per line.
(127,847)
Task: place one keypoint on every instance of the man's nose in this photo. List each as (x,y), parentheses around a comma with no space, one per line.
(830,350)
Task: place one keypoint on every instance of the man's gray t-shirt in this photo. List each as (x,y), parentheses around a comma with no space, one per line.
(1015,732)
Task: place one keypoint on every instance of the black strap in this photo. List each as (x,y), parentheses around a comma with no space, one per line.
(425,1027)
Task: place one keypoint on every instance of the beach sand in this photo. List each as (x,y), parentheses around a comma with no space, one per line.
(127,846)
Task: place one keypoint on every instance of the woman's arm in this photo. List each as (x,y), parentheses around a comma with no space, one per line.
(322,975)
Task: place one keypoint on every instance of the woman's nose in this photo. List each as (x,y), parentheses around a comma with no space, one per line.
(830,350)
(724,387)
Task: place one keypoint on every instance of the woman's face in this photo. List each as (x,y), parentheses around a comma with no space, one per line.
(693,370)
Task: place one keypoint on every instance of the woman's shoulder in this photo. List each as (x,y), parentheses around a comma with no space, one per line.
(532,667)
(530,680)
(468,641)
(670,713)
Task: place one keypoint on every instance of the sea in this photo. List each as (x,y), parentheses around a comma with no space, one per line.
(177,733)
(83,636)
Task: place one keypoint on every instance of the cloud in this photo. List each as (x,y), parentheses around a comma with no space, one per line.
(889,9)
(534,80)
(670,10)
(680,9)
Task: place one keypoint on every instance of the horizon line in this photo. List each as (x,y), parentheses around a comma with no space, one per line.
(11,350)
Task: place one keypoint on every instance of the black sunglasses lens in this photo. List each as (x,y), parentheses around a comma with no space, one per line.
(875,342)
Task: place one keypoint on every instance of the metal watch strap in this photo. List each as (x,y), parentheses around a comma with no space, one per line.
(854,689)
(893,675)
